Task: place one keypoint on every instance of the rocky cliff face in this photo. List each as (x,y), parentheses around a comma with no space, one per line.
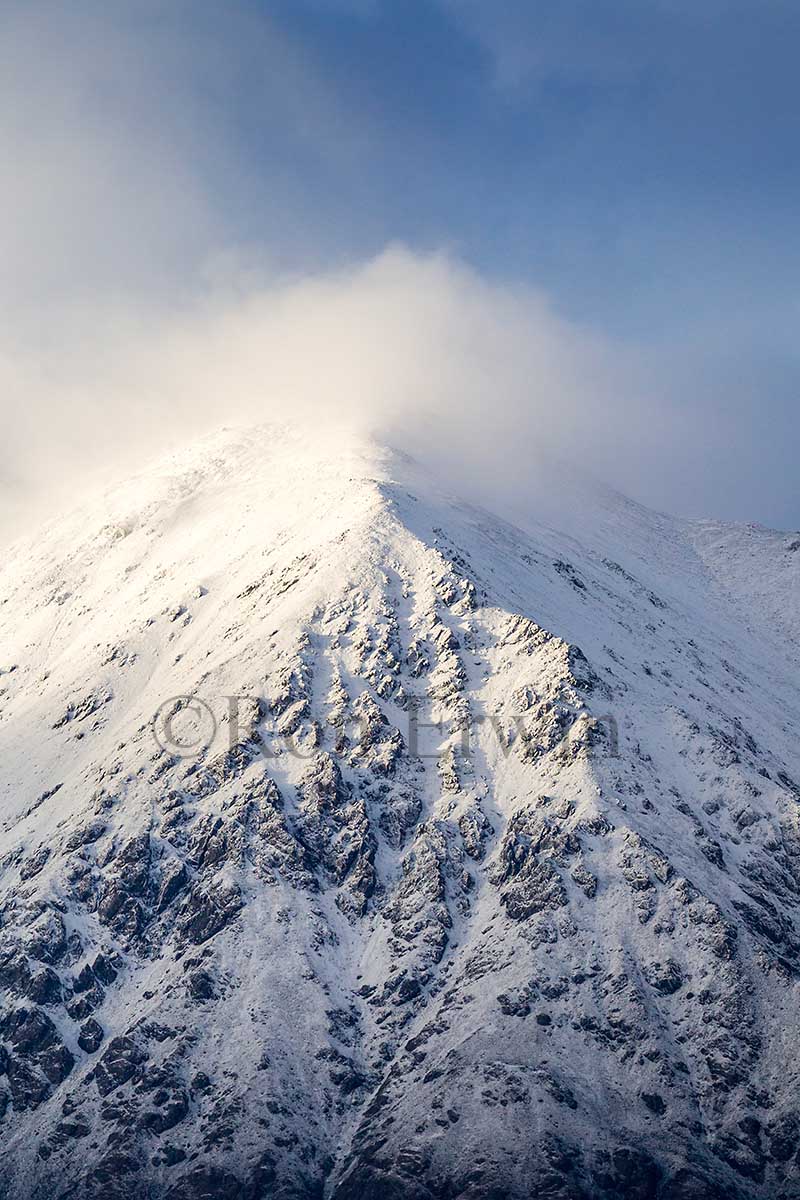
(357,845)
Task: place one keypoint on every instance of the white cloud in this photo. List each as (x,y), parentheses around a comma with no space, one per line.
(418,349)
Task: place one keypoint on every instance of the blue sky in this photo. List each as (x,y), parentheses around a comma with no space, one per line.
(636,161)
(639,159)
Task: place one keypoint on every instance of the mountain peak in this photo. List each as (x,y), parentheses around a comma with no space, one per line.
(358,843)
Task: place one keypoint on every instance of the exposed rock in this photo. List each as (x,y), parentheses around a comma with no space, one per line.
(665,977)
(90,1036)
(119,1063)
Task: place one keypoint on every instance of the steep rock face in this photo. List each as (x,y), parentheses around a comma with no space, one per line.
(356,844)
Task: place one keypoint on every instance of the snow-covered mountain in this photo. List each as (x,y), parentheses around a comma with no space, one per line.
(357,844)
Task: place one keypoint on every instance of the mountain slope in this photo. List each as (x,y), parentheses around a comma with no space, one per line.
(358,844)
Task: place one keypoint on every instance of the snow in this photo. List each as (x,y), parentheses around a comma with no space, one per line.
(300,572)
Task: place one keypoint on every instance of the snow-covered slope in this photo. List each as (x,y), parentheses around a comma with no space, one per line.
(357,844)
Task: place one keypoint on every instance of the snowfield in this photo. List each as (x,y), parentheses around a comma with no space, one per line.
(356,843)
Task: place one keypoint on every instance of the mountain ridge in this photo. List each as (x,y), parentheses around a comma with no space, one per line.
(559,956)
